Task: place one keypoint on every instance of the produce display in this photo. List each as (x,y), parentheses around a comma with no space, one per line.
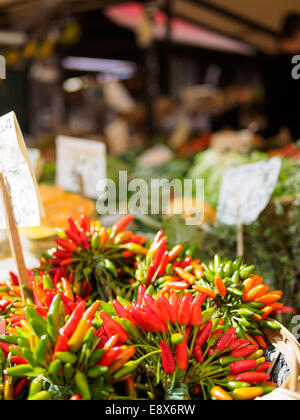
(111,315)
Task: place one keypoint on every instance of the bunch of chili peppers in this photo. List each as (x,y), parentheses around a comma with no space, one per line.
(98,259)
(59,357)
(177,344)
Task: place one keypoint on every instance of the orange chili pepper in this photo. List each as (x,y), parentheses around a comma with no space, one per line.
(251,339)
(220,286)
(103,236)
(121,359)
(175,252)
(220,394)
(180,285)
(256,292)
(261,341)
(269,298)
(248,284)
(198,271)
(208,292)
(184,275)
(267,310)
(67,289)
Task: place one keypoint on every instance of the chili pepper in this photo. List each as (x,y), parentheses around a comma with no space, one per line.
(85,223)
(175,252)
(225,341)
(180,285)
(253,377)
(168,360)
(41,396)
(204,335)
(197,352)
(84,239)
(141,322)
(261,341)
(270,325)
(150,317)
(17,360)
(246,271)
(109,357)
(67,357)
(123,358)
(95,241)
(40,349)
(196,312)
(162,308)
(97,371)
(140,295)
(55,367)
(207,315)
(235,292)
(184,275)
(122,224)
(220,286)
(36,322)
(235,385)
(263,367)
(184,313)
(114,327)
(220,394)
(67,289)
(18,388)
(83,326)
(83,385)
(238,344)
(66,244)
(135,248)
(186,262)
(174,306)
(242,366)
(76,398)
(20,370)
(269,298)
(244,394)
(266,388)
(256,292)
(205,291)
(244,351)
(120,311)
(182,355)
(163,263)
(74,237)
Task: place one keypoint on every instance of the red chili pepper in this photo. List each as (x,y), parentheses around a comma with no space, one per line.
(18,388)
(224,341)
(151,272)
(186,262)
(120,311)
(74,319)
(42,312)
(140,321)
(184,313)
(140,294)
(84,239)
(127,254)
(85,223)
(204,335)
(182,355)
(263,367)
(75,237)
(242,366)
(110,356)
(62,254)
(160,234)
(163,263)
(122,224)
(237,344)
(76,398)
(61,344)
(150,316)
(67,261)
(149,301)
(65,244)
(3,305)
(244,351)
(69,304)
(174,306)
(196,312)
(162,308)
(168,360)
(198,354)
(114,327)
(17,360)
(14,279)
(159,253)
(253,377)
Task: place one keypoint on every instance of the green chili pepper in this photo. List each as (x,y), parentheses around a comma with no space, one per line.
(246,271)
(20,370)
(177,338)
(48,282)
(36,322)
(96,356)
(54,309)
(52,328)
(190,252)
(255,305)
(151,291)
(227,269)
(55,367)
(207,315)
(247,313)
(67,357)
(96,371)
(169,269)
(68,370)
(35,386)
(42,396)
(235,292)
(217,262)
(40,350)
(124,302)
(267,388)
(126,369)
(109,265)
(225,361)
(236,277)
(270,325)
(236,385)
(95,241)
(129,327)
(82,385)
(237,263)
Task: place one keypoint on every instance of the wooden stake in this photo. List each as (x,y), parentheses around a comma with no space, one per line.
(81,184)
(13,235)
(240,234)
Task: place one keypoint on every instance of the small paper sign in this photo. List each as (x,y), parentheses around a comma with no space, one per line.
(80,161)
(246,191)
(16,169)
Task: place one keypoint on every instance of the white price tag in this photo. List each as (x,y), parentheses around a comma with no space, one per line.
(246,191)
(80,159)
(16,168)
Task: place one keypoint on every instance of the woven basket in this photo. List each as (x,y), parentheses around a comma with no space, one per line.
(286,344)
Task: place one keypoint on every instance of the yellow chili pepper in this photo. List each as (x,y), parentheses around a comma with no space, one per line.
(244,394)
(256,355)
(8,392)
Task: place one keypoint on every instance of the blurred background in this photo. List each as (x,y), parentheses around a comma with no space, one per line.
(174,88)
